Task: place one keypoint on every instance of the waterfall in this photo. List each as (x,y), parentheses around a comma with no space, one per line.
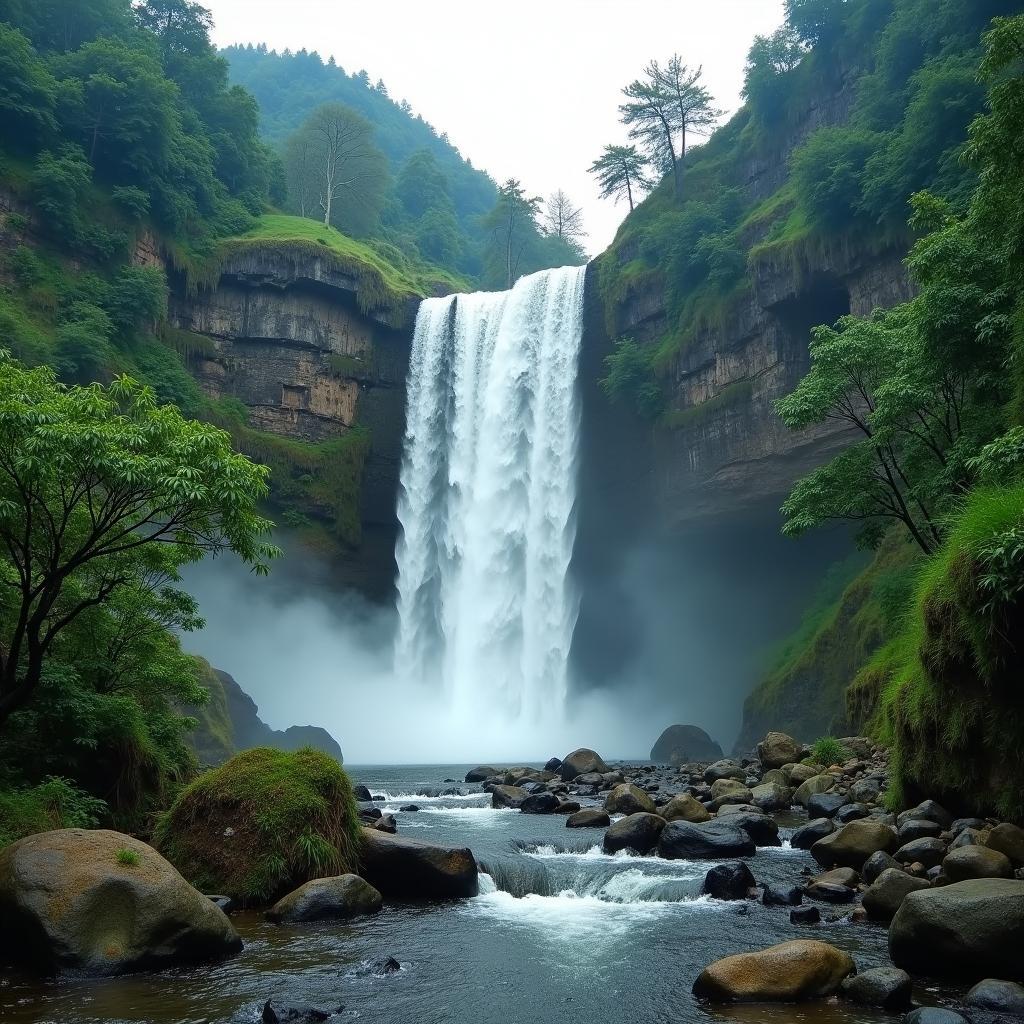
(488,484)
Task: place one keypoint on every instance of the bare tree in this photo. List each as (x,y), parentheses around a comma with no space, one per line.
(563,219)
(621,171)
(663,108)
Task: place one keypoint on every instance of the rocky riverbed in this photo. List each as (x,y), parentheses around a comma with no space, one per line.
(568,891)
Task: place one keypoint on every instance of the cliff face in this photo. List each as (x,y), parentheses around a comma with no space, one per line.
(286,337)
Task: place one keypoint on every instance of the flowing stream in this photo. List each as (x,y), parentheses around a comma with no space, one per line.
(486,608)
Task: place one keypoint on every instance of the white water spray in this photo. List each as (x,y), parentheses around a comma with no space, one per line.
(486,609)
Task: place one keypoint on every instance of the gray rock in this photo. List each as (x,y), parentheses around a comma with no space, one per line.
(865,791)
(824,805)
(638,832)
(976,862)
(725,769)
(886,987)
(1008,839)
(928,851)
(682,840)
(930,811)
(540,803)
(589,817)
(628,799)
(762,828)
(776,896)
(998,996)
(481,773)
(850,812)
(971,930)
(807,835)
(884,897)
(322,898)
(851,845)
(777,749)
(918,828)
(684,807)
(508,796)
(933,1015)
(804,915)
(963,823)
(280,1011)
(401,868)
(876,864)
(815,784)
(580,762)
(732,881)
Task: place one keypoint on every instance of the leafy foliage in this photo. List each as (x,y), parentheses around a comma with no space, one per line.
(827,751)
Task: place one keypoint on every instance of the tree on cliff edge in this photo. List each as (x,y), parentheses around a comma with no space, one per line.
(512,222)
(621,172)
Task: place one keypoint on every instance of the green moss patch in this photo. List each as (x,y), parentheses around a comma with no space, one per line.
(263,823)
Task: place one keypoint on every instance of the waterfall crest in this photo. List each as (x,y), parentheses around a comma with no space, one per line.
(486,608)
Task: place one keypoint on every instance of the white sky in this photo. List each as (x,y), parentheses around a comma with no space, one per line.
(526,88)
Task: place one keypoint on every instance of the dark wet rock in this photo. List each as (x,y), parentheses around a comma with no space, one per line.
(378,798)
(589,817)
(777,749)
(685,744)
(824,805)
(778,896)
(807,835)
(850,812)
(930,811)
(918,828)
(360,792)
(1004,997)
(851,845)
(81,908)
(963,823)
(1009,840)
(805,915)
(684,807)
(732,881)
(508,796)
(386,823)
(481,773)
(876,864)
(370,813)
(965,837)
(226,903)
(532,787)
(865,791)
(887,892)
(629,799)
(337,897)
(553,764)
(567,807)
(972,930)
(928,851)
(885,987)
(409,808)
(704,840)
(837,886)
(403,868)
(540,803)
(279,1011)
(639,832)
(762,828)
(788,972)
(976,862)
(724,769)
(934,1015)
(580,762)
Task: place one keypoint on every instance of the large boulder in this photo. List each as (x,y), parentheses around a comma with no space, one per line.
(790,971)
(403,868)
(628,799)
(540,803)
(684,807)
(1003,997)
(685,840)
(684,744)
(508,797)
(972,930)
(976,862)
(93,901)
(638,832)
(763,829)
(771,796)
(481,773)
(885,895)
(732,881)
(322,898)
(807,835)
(851,845)
(589,817)
(581,762)
(777,749)
(824,805)
(724,769)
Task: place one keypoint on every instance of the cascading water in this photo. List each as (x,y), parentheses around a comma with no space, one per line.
(485,605)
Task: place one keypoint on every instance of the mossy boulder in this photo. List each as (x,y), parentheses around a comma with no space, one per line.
(93,901)
(263,823)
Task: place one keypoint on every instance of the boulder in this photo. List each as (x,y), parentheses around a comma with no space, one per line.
(851,845)
(934,1015)
(775,896)
(403,868)
(589,817)
(876,864)
(850,812)
(638,832)
(791,971)
(800,773)
(865,791)
(1002,997)
(777,749)
(885,987)
(815,784)
(724,769)
(960,824)
(540,803)
(683,840)
(763,829)
(481,773)
(628,799)
(770,796)
(972,930)
(685,744)
(553,764)
(726,787)
(360,792)
(885,895)
(93,901)
(928,851)
(386,823)
(580,762)
(778,776)
(929,810)
(804,915)
(918,828)
(684,807)
(1009,840)
(807,835)
(281,1011)
(836,886)
(968,837)
(567,807)
(976,862)
(340,896)
(732,881)
(508,796)
(824,805)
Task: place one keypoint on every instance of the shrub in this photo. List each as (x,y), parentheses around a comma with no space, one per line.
(263,823)
(127,858)
(54,803)
(827,750)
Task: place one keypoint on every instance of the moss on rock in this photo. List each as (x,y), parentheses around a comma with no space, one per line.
(263,823)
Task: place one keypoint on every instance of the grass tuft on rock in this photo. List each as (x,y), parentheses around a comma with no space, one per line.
(263,823)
